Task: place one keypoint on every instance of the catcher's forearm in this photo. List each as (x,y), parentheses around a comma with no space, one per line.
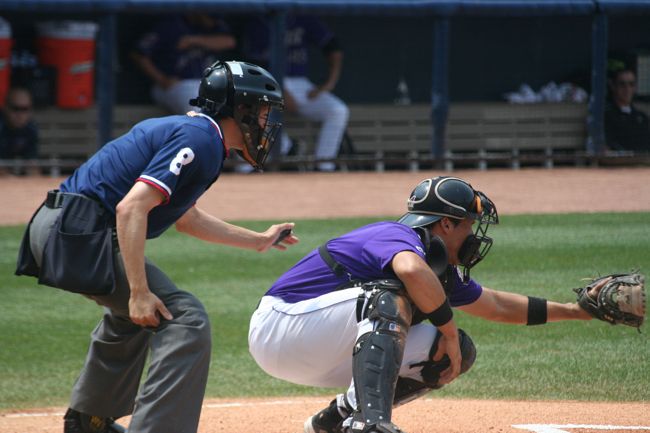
(529,310)
(616,299)
(558,312)
(508,307)
(540,311)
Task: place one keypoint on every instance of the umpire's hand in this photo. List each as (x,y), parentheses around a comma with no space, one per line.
(145,309)
(278,236)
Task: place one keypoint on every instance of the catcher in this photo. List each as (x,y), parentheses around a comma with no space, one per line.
(372,309)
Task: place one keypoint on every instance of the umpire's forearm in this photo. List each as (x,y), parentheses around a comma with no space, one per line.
(131,235)
(131,215)
(204,226)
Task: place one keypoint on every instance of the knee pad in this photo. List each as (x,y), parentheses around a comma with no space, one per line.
(467,351)
(389,308)
(431,369)
(377,355)
(408,389)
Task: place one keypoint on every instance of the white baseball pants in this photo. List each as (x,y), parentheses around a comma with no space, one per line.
(311,342)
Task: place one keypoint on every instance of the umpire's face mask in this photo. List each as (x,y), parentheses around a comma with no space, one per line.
(260,126)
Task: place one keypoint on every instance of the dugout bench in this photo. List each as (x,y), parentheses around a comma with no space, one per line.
(478,135)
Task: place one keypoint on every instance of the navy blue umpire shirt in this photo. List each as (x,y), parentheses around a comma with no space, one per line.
(180,156)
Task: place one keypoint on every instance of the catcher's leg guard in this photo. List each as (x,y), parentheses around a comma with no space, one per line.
(377,356)
(408,389)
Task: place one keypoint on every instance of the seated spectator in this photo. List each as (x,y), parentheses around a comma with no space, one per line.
(626,127)
(315,102)
(18,131)
(175,54)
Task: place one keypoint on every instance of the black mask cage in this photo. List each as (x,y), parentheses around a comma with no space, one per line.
(478,244)
(260,125)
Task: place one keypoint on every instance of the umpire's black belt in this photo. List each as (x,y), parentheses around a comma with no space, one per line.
(55,198)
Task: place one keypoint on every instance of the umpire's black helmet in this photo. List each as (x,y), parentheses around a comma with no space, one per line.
(243,91)
(444,196)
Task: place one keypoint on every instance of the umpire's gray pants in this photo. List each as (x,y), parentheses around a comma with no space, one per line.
(170,398)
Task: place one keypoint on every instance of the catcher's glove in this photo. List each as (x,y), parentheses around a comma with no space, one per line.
(620,300)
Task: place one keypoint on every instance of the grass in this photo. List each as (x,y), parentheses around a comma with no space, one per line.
(44,331)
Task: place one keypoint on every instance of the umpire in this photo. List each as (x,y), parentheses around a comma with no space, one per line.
(89,237)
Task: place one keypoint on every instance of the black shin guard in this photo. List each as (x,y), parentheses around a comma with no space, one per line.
(378,357)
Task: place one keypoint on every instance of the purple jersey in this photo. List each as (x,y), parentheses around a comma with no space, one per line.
(161,46)
(301,31)
(366,253)
(181,156)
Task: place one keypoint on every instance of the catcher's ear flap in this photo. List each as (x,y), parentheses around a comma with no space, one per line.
(437,257)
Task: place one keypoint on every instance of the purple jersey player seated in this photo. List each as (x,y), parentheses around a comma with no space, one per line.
(352,312)
(89,238)
(174,54)
(302,96)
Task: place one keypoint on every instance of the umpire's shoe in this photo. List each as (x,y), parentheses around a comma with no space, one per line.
(328,420)
(77,422)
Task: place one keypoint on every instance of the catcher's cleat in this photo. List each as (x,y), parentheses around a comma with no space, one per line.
(328,420)
(382,427)
(77,422)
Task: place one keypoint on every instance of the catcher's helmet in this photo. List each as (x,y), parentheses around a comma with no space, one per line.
(451,197)
(251,96)
(439,197)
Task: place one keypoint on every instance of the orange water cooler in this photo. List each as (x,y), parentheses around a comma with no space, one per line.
(69,46)
(5,59)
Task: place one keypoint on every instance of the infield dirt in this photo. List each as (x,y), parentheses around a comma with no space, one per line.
(276,196)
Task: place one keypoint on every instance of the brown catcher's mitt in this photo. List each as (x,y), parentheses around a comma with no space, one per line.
(621,300)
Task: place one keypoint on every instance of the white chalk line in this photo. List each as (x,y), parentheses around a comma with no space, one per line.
(205,406)
(560,428)
(249,404)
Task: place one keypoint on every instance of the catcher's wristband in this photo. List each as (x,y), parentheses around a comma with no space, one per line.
(537,311)
(441,315)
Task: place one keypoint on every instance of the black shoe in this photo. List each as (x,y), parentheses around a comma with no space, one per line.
(328,420)
(357,425)
(77,422)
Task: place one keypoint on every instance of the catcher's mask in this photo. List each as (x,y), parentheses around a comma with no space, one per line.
(252,97)
(451,197)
